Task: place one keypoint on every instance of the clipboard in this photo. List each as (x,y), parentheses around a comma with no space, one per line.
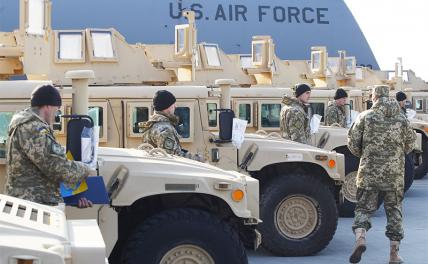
(96,192)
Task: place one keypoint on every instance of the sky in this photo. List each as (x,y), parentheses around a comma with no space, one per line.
(395,28)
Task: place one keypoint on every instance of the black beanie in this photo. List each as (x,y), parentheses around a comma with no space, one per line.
(301,89)
(163,99)
(45,95)
(400,96)
(340,93)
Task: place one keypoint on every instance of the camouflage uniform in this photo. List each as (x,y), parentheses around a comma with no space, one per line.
(335,115)
(36,163)
(381,137)
(295,121)
(160,132)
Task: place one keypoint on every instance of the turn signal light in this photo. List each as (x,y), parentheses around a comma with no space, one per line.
(331,164)
(237,195)
(426,129)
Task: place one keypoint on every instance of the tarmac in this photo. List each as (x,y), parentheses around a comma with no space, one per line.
(414,247)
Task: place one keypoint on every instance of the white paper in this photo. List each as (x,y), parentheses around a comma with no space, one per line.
(89,145)
(95,143)
(315,123)
(238,132)
(411,114)
(354,115)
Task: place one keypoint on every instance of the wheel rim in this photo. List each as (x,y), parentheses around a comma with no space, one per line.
(349,188)
(187,254)
(296,217)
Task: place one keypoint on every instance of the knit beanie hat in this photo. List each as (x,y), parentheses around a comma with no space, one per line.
(163,99)
(301,88)
(45,95)
(400,96)
(340,93)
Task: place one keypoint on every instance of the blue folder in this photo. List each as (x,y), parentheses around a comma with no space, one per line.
(96,192)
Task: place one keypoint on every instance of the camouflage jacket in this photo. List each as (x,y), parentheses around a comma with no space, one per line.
(160,132)
(295,121)
(36,162)
(381,137)
(335,115)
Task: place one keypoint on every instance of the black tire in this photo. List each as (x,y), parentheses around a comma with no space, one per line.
(160,233)
(287,187)
(422,169)
(347,207)
(409,171)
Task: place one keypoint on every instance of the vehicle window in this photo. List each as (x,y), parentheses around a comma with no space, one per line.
(245,112)
(418,105)
(180,40)
(96,113)
(212,114)
(351,104)
(318,108)
(5,118)
(213,58)
(183,128)
(139,114)
(257,52)
(270,115)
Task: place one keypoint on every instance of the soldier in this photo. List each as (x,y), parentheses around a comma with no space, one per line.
(381,137)
(160,130)
(294,115)
(401,99)
(36,162)
(336,109)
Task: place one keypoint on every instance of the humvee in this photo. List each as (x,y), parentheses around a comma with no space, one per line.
(32,233)
(262,70)
(299,184)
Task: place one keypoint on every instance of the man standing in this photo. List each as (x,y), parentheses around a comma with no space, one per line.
(336,114)
(381,137)
(401,99)
(160,130)
(36,162)
(294,115)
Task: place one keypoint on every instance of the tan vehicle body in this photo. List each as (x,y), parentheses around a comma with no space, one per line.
(121,96)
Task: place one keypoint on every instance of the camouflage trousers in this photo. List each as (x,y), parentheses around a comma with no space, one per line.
(367,201)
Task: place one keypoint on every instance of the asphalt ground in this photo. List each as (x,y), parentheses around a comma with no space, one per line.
(414,247)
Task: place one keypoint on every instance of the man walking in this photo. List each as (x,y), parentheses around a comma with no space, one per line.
(381,137)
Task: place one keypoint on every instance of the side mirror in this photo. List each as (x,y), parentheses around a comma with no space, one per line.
(226,124)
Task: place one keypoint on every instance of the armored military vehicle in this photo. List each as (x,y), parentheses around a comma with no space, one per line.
(162,208)
(299,184)
(32,233)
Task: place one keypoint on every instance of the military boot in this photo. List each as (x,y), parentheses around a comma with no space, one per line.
(394,258)
(360,245)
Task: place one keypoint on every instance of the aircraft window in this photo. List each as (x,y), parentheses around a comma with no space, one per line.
(316,61)
(318,108)
(213,58)
(270,115)
(139,114)
(36,17)
(102,44)
(258,52)
(245,112)
(180,40)
(212,115)
(96,113)
(418,105)
(5,118)
(183,128)
(246,61)
(70,45)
